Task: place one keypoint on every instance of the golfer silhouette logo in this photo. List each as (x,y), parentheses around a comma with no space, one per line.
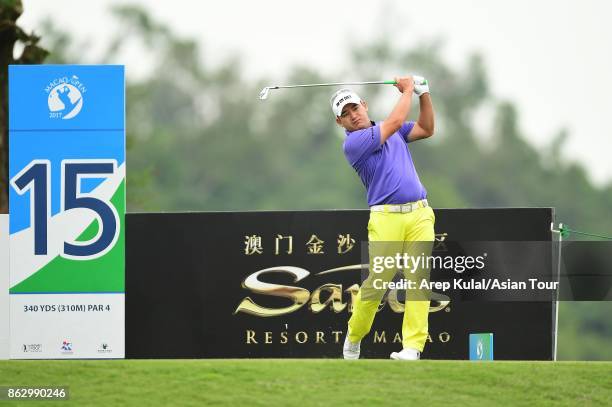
(65,100)
(479,349)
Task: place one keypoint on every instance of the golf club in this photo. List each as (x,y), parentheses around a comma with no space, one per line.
(265,92)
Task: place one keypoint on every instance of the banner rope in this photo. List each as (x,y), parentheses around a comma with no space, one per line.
(565,232)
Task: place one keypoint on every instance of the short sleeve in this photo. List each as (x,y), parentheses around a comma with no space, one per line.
(361,144)
(405,130)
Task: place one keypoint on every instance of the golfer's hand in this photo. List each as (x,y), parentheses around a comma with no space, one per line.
(405,84)
(421,85)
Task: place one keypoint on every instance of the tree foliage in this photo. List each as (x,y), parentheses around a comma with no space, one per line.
(10,35)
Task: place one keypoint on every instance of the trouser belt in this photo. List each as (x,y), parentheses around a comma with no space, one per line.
(401,208)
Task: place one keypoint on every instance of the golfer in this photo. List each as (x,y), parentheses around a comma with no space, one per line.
(399,211)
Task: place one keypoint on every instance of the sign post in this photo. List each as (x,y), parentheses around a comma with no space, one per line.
(4,282)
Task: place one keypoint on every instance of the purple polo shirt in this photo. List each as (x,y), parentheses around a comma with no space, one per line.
(386,170)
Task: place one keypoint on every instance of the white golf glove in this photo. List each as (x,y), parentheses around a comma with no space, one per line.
(421,85)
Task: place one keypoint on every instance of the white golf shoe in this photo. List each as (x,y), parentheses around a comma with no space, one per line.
(406,354)
(351,349)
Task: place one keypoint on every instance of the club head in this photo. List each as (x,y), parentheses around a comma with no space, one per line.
(263,95)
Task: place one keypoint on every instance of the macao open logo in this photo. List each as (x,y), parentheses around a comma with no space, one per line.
(65,97)
(479,349)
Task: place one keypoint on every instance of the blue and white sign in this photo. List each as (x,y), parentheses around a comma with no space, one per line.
(67,208)
(481,346)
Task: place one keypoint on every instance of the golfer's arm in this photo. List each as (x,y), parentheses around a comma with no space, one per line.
(397,117)
(424,127)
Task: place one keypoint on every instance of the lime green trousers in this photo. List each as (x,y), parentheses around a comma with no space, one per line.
(388,234)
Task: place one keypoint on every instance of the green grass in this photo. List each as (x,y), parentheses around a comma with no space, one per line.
(315,382)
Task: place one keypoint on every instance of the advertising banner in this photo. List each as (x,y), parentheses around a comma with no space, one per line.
(67,209)
(283,284)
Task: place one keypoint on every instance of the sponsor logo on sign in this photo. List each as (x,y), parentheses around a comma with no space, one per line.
(32,348)
(104,348)
(65,97)
(66,347)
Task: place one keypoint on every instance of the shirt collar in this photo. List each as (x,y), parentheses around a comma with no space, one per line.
(372,125)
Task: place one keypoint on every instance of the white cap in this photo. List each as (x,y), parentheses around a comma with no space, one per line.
(341,98)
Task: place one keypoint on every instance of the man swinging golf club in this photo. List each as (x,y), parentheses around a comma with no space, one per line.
(399,211)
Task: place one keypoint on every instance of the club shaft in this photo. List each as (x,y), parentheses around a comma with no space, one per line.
(310,85)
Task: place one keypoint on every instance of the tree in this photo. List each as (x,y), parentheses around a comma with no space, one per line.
(11,34)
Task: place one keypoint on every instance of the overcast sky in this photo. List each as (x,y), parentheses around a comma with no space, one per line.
(552,58)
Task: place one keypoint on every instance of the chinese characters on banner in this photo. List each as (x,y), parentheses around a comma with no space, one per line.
(285,244)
